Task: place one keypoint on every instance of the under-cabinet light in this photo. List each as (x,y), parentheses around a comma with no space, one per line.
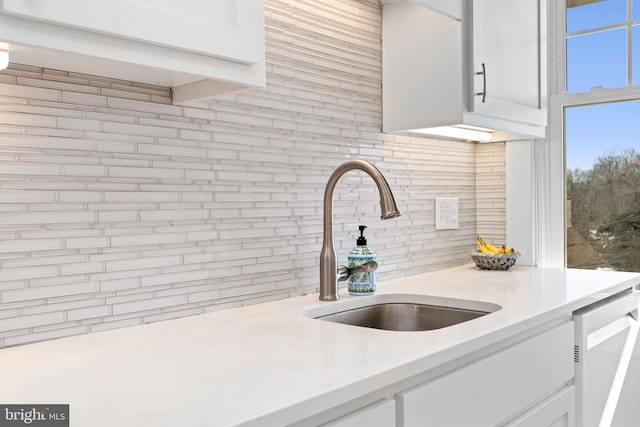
(468,133)
(4,59)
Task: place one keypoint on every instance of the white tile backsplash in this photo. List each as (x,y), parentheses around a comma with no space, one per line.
(117,208)
(491,215)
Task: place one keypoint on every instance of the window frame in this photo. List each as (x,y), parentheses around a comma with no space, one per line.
(536,169)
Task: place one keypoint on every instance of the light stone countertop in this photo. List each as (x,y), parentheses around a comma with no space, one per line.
(267,364)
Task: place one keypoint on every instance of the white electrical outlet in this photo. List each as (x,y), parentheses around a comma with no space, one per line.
(446,213)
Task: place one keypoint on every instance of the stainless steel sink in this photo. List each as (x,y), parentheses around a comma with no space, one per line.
(404,317)
(401,312)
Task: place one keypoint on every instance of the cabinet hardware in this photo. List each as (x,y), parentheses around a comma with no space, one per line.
(483,73)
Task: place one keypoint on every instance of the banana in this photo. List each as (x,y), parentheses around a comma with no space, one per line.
(487,248)
(484,250)
(482,246)
(492,249)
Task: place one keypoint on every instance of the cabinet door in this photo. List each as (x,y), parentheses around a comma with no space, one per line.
(421,68)
(508,59)
(557,411)
(628,410)
(494,389)
(382,414)
(229,29)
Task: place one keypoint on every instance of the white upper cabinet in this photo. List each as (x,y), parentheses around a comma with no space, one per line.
(200,48)
(509,71)
(480,78)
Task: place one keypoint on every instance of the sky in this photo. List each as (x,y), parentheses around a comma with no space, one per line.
(597,130)
(600,60)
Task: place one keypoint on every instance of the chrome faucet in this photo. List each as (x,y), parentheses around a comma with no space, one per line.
(330,273)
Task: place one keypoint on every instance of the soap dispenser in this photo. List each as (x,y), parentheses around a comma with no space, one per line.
(363,283)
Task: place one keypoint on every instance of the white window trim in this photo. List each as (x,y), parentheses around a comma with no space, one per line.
(537,225)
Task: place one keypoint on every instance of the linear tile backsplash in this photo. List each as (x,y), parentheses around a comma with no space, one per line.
(118,208)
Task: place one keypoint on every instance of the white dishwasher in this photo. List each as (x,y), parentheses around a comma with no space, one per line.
(607,362)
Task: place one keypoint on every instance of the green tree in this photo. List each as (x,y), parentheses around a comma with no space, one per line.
(605,208)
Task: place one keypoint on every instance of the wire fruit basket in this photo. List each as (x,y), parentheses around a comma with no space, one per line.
(494,261)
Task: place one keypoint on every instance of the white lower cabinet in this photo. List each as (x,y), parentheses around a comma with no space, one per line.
(526,382)
(498,388)
(557,411)
(381,414)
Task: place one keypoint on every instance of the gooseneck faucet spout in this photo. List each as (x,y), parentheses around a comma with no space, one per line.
(329,274)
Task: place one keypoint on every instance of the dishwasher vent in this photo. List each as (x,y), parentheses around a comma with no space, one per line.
(576,353)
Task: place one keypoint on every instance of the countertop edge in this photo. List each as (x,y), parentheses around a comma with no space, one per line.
(441,362)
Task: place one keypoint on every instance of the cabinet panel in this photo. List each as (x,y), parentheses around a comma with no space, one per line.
(496,388)
(557,411)
(628,409)
(381,414)
(507,38)
(199,48)
(421,74)
(222,28)
(429,61)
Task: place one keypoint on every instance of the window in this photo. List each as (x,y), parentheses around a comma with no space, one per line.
(602,43)
(603,185)
(598,99)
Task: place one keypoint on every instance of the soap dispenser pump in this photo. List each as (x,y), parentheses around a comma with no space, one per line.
(363,283)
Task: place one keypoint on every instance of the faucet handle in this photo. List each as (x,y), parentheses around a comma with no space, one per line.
(344,272)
